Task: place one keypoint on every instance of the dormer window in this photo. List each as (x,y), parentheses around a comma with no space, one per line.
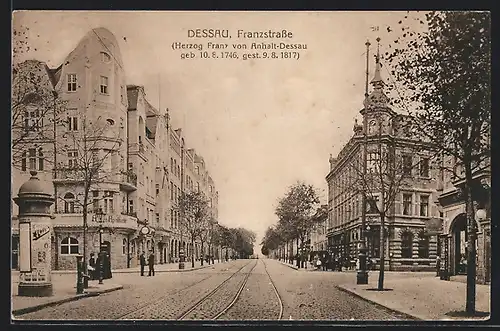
(105,57)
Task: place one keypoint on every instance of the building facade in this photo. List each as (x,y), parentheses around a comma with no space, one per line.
(382,141)
(134,160)
(454,236)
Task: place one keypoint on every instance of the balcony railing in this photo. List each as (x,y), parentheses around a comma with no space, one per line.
(129,177)
(136,148)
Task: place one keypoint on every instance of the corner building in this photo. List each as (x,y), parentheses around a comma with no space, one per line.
(142,180)
(407,245)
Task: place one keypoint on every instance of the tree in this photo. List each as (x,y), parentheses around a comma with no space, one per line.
(244,242)
(226,238)
(295,211)
(442,77)
(35,108)
(194,211)
(211,235)
(381,168)
(271,240)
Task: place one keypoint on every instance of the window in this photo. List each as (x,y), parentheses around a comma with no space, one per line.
(171,218)
(424,205)
(32,120)
(72,159)
(423,246)
(40,159)
(95,200)
(124,246)
(407,200)
(372,205)
(108,202)
(424,167)
(157,189)
(105,57)
(157,219)
(406,245)
(72,123)
(32,158)
(171,191)
(69,203)
(407,165)
(372,162)
(69,246)
(104,85)
(131,206)
(71,82)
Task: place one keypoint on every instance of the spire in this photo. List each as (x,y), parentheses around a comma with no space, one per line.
(377,78)
(377,98)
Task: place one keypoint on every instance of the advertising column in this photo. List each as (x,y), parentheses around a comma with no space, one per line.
(35,230)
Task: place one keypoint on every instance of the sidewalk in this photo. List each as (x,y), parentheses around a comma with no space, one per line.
(64,290)
(64,286)
(421,295)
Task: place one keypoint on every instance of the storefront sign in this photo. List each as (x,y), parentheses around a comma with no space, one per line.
(40,253)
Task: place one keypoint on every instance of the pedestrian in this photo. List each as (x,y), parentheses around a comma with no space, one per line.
(438,265)
(151,262)
(107,266)
(142,259)
(92,267)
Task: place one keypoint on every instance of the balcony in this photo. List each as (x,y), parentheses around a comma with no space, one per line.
(128,181)
(68,175)
(138,149)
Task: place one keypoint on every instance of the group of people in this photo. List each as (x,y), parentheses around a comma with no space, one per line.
(94,266)
(151,263)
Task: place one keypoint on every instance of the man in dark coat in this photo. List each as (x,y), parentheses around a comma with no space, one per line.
(107,265)
(93,263)
(151,262)
(142,259)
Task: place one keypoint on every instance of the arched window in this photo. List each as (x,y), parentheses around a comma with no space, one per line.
(406,245)
(69,203)
(124,246)
(69,246)
(423,246)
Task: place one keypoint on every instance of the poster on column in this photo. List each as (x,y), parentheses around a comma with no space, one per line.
(40,249)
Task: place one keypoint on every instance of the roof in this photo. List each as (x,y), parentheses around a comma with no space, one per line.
(33,186)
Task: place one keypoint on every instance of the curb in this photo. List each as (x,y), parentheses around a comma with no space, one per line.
(289,265)
(131,271)
(394,311)
(31,309)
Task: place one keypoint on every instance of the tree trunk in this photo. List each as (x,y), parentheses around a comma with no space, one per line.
(470,306)
(192,253)
(84,215)
(382,250)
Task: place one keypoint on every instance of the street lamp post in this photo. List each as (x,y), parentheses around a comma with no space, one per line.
(99,217)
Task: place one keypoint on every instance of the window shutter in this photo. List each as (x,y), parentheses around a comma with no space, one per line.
(69,123)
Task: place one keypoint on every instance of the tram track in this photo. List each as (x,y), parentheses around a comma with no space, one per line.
(210,296)
(156,302)
(226,312)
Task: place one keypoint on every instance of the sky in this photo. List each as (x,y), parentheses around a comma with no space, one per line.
(260,124)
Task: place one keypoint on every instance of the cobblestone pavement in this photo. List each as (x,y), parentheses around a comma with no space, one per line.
(305,295)
(139,292)
(258,300)
(314,296)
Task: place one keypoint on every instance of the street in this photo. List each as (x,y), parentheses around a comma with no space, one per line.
(253,289)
